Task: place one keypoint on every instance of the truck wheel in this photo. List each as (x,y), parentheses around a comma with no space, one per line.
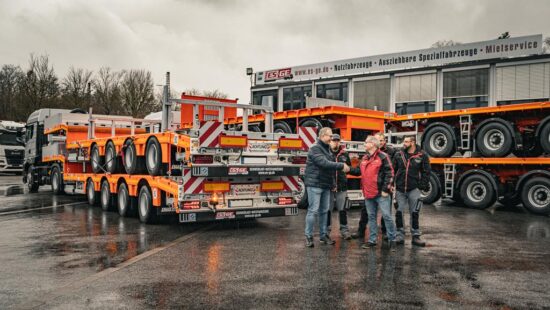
(91,194)
(545,138)
(96,160)
(433,194)
(146,211)
(494,140)
(106,196)
(112,160)
(153,157)
(477,192)
(133,164)
(124,201)
(535,195)
(281,127)
(57,181)
(439,142)
(32,183)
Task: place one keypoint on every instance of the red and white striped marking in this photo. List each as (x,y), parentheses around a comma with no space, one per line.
(308,135)
(209,133)
(191,184)
(291,183)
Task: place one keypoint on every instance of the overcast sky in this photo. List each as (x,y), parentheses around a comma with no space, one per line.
(208,44)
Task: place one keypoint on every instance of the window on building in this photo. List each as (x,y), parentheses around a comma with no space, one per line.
(266,98)
(522,83)
(465,89)
(414,107)
(295,97)
(415,93)
(334,91)
(372,94)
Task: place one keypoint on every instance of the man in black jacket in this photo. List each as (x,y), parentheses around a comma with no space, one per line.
(319,180)
(412,174)
(340,193)
(363,221)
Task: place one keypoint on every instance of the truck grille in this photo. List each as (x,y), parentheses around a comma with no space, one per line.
(15,157)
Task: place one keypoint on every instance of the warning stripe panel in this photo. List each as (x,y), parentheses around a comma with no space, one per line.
(308,135)
(291,183)
(191,184)
(209,133)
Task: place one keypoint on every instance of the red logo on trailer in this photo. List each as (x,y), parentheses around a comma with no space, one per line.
(237,171)
(278,74)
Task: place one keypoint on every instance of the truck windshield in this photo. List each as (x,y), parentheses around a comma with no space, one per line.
(11,138)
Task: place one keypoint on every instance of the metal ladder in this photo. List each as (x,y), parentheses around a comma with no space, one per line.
(450,171)
(465,131)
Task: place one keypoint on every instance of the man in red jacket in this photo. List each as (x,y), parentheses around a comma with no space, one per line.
(376,183)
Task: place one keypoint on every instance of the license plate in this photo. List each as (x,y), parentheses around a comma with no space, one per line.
(240,203)
(254,160)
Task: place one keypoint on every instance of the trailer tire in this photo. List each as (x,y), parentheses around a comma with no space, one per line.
(32,184)
(535,195)
(439,142)
(91,194)
(106,198)
(433,194)
(57,181)
(112,160)
(281,127)
(254,128)
(477,192)
(545,138)
(153,157)
(312,122)
(494,140)
(133,164)
(146,211)
(96,160)
(125,202)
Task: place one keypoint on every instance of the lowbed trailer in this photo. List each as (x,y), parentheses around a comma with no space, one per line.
(201,172)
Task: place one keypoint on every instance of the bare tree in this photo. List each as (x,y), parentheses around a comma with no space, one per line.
(107,91)
(10,76)
(136,93)
(504,35)
(206,93)
(76,88)
(445,43)
(39,88)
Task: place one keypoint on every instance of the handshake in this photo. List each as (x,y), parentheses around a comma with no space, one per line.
(346,168)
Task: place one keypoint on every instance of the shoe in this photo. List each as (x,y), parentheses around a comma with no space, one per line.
(309,242)
(368,245)
(416,241)
(346,236)
(399,241)
(392,246)
(385,237)
(326,240)
(357,236)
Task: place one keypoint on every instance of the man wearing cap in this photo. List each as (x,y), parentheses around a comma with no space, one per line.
(339,195)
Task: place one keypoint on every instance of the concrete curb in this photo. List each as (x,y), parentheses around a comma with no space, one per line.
(11,190)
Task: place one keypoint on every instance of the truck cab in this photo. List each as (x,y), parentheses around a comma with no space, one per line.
(11,146)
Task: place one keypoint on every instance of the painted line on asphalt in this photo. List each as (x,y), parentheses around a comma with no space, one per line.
(73,286)
(42,208)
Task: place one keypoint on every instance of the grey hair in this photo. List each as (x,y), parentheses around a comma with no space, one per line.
(323,131)
(373,140)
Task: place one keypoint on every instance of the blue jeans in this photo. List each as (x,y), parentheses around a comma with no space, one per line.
(372,205)
(318,204)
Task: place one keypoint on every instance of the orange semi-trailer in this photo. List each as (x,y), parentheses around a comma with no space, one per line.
(201,172)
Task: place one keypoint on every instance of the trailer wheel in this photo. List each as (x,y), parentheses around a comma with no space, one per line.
(57,180)
(91,194)
(254,128)
(281,127)
(535,195)
(32,183)
(147,213)
(433,194)
(125,203)
(133,164)
(106,196)
(96,160)
(153,157)
(545,138)
(439,142)
(477,192)
(494,140)
(112,160)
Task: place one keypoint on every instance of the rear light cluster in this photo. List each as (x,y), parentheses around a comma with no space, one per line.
(202,159)
(297,160)
(195,204)
(284,201)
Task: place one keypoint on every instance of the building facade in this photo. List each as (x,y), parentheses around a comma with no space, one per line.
(480,74)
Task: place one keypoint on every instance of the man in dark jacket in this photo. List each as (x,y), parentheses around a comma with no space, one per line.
(412,174)
(376,183)
(388,149)
(340,193)
(319,180)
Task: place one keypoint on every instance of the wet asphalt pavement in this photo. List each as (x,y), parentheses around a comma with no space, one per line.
(75,256)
